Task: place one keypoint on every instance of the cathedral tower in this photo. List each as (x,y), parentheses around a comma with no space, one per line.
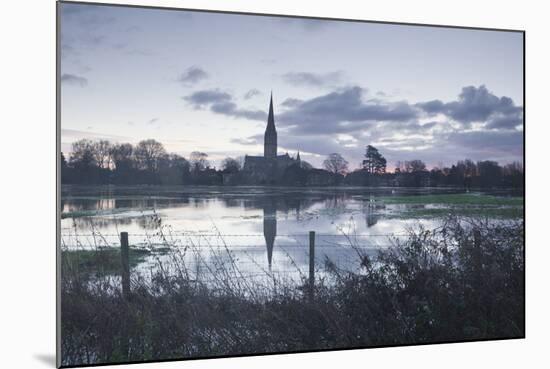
(270,137)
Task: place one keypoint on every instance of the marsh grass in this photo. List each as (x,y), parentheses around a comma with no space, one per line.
(495,212)
(454,199)
(104,260)
(461,281)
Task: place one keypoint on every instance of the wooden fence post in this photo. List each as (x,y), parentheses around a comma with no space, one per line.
(311,263)
(478,269)
(125,260)
(477,251)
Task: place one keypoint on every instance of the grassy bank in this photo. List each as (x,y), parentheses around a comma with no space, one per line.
(463,281)
(454,199)
(464,205)
(499,212)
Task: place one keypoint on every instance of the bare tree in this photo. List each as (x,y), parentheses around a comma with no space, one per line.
(102,151)
(231,165)
(199,161)
(513,168)
(83,154)
(148,153)
(335,163)
(400,167)
(121,155)
(415,166)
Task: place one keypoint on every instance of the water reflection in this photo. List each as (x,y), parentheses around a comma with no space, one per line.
(276,213)
(270,227)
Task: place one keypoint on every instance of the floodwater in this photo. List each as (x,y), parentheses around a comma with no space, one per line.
(260,229)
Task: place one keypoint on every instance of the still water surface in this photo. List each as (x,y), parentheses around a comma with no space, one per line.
(263,228)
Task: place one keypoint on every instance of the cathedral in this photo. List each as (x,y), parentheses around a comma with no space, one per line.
(270,167)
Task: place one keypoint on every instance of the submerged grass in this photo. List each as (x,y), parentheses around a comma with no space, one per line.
(462,281)
(104,260)
(454,199)
(500,212)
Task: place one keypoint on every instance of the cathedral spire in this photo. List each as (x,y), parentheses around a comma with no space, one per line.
(270,137)
(270,117)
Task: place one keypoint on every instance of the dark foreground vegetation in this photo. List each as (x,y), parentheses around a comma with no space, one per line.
(463,281)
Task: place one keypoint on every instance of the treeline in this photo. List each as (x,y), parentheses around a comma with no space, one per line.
(414,173)
(148,162)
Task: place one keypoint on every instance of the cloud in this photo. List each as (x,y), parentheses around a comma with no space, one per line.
(506,121)
(73,80)
(68,50)
(152,121)
(230,108)
(342,111)
(312,79)
(192,75)
(206,97)
(337,112)
(478,104)
(494,143)
(71,135)
(87,16)
(86,27)
(252,140)
(251,93)
(346,120)
(432,107)
(291,102)
(220,102)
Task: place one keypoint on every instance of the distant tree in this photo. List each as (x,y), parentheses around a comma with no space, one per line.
(294,175)
(231,165)
(199,161)
(147,154)
(102,152)
(173,169)
(514,174)
(415,166)
(335,163)
(490,173)
(83,154)
(513,168)
(439,166)
(400,167)
(374,163)
(63,162)
(463,173)
(178,161)
(437,177)
(121,156)
(66,174)
(470,168)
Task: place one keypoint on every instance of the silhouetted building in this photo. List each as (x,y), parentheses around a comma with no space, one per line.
(268,168)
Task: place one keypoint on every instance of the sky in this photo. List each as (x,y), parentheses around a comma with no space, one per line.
(199,81)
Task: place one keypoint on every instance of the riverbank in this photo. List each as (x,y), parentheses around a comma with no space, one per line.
(462,281)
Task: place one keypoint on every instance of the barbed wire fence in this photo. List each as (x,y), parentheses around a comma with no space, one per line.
(307,245)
